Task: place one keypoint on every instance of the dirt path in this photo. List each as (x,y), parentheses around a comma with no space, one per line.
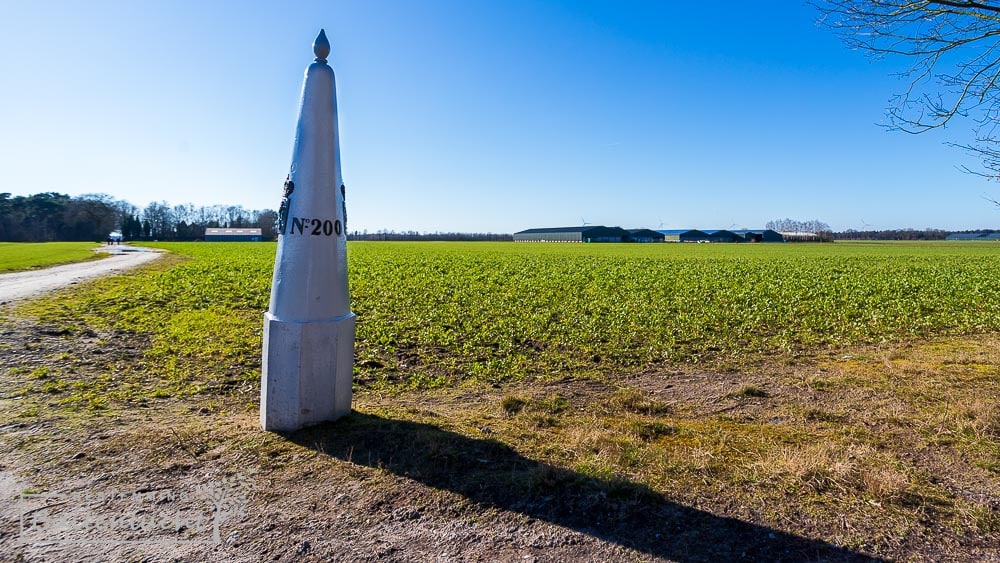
(452,475)
(20,285)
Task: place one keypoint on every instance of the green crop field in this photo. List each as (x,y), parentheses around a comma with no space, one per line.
(15,256)
(444,313)
(845,393)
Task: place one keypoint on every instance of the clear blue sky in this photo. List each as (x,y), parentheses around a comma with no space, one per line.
(478,115)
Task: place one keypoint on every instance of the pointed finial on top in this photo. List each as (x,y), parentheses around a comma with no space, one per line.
(321,47)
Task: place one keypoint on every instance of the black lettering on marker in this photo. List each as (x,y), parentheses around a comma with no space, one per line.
(316,227)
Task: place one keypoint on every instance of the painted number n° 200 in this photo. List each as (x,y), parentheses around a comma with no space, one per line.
(316,227)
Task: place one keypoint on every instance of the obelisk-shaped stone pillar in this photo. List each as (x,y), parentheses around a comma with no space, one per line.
(308,351)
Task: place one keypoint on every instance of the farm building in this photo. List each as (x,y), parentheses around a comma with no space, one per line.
(597,233)
(684,235)
(232,235)
(587,233)
(722,235)
(760,235)
(974,236)
(644,235)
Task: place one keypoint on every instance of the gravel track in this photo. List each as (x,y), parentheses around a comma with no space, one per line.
(22,285)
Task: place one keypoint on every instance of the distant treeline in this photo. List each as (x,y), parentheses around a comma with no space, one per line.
(897,234)
(52,216)
(413,235)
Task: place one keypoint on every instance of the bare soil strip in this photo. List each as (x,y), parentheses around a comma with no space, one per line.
(370,487)
(451,475)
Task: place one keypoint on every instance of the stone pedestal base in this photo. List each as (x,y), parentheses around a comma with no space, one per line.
(307,372)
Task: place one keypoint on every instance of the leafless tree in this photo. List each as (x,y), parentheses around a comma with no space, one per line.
(161,220)
(792,225)
(953,49)
(267,221)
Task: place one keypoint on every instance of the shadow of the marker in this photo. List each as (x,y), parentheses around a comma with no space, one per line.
(492,474)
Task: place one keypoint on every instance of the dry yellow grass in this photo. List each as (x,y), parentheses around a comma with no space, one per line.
(868,448)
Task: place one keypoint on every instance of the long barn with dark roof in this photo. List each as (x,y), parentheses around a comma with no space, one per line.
(232,235)
(644,235)
(721,235)
(599,233)
(586,233)
(684,235)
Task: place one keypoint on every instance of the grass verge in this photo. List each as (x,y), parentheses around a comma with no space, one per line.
(18,256)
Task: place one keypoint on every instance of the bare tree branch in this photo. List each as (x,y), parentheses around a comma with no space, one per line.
(953,48)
